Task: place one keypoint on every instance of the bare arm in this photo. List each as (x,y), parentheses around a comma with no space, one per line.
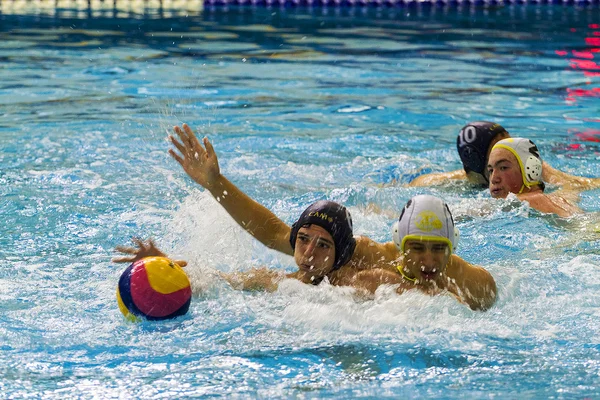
(201,164)
(256,279)
(371,254)
(473,285)
(560,202)
(366,282)
(556,177)
(437,178)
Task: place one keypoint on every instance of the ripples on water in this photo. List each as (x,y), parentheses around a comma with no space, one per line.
(300,106)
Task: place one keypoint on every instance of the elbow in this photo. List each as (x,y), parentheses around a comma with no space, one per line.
(486,301)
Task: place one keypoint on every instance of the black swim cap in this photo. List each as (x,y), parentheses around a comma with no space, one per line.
(336,220)
(473,143)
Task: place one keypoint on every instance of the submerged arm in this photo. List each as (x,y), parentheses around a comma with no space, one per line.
(201,164)
(437,178)
(370,254)
(471,284)
(556,177)
(256,279)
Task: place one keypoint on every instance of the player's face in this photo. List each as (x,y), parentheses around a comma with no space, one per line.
(426,260)
(314,253)
(505,173)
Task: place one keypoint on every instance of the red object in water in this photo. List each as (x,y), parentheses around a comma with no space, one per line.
(589,135)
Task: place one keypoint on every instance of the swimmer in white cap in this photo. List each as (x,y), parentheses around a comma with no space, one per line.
(515,166)
(474,144)
(426,238)
(201,164)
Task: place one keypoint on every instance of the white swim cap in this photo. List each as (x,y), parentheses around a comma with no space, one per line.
(528,156)
(425,217)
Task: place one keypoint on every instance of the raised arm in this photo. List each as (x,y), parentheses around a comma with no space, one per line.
(201,164)
(556,177)
(437,178)
(471,284)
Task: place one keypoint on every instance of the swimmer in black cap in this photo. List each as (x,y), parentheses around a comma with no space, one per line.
(474,144)
(321,240)
(201,164)
(333,223)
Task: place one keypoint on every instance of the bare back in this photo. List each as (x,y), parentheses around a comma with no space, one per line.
(558,203)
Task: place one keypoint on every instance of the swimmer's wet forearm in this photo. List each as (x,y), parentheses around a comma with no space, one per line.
(253,217)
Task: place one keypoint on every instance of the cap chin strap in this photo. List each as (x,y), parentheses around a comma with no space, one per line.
(401,270)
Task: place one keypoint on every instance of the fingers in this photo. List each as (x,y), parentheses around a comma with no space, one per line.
(143,250)
(185,143)
(118,260)
(178,145)
(187,137)
(191,136)
(181,263)
(189,147)
(210,151)
(126,250)
(151,245)
(176,157)
(138,242)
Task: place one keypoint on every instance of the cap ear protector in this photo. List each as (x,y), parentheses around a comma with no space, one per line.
(533,169)
(473,142)
(425,217)
(528,157)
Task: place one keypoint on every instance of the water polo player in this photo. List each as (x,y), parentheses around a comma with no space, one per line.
(321,242)
(515,166)
(201,164)
(474,144)
(426,238)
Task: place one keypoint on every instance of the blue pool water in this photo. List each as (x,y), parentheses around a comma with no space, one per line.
(343,104)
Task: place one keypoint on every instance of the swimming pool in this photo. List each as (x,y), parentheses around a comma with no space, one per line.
(300,105)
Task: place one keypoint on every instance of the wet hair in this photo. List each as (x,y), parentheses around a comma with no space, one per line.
(336,220)
(473,143)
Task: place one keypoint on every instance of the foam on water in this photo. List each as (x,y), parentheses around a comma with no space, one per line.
(299,107)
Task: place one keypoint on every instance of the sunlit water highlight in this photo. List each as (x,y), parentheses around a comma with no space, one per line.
(300,106)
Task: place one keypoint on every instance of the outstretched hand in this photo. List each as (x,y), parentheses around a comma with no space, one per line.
(142,250)
(199,163)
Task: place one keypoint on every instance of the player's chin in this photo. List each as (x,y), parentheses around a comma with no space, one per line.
(498,193)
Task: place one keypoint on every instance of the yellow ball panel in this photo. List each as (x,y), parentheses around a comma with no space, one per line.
(124,309)
(165,276)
